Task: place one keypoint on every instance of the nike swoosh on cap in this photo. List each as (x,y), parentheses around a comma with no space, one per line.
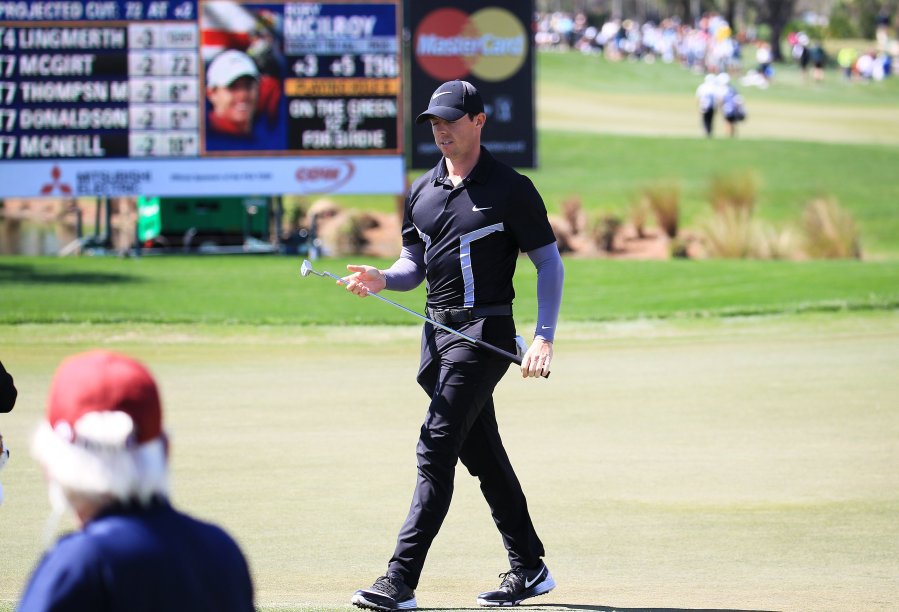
(440,93)
(476,209)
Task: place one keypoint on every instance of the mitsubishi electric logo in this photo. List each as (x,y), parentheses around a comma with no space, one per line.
(56,183)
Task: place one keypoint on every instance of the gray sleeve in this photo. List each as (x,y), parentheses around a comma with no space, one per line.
(550,275)
(408,271)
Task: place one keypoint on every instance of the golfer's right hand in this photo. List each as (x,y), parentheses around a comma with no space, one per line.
(364,280)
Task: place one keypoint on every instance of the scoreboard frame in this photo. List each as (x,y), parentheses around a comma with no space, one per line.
(120,97)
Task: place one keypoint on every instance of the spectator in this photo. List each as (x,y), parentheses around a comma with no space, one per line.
(732,105)
(8,391)
(882,28)
(104,453)
(846,58)
(706,97)
(801,53)
(865,66)
(764,58)
(8,396)
(818,58)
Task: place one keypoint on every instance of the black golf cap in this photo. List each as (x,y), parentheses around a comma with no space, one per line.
(453,100)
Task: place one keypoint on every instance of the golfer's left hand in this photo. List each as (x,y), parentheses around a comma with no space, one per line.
(537,359)
(364,280)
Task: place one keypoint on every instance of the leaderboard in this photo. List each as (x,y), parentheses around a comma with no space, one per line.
(198,79)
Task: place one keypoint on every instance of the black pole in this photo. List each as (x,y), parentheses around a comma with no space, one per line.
(107,216)
(97,218)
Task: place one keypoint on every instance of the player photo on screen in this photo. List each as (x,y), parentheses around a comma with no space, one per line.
(245,105)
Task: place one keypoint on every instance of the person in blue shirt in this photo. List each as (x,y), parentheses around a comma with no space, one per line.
(104,453)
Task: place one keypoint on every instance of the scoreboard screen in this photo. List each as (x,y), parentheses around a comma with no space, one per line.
(200,97)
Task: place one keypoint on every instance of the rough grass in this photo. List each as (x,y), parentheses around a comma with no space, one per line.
(269,290)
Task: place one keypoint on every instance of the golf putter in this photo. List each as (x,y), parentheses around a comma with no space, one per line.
(306,269)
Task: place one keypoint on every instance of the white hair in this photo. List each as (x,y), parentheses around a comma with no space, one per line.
(99,459)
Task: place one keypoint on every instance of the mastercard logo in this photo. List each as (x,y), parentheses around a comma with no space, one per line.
(490,44)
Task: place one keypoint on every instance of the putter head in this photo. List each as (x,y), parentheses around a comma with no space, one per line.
(306,268)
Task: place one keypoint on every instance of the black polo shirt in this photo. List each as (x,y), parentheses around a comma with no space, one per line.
(473,233)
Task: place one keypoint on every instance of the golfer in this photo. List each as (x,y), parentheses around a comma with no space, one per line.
(104,453)
(464,224)
(243,111)
(232,87)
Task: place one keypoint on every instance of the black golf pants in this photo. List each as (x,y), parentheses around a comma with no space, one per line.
(461,425)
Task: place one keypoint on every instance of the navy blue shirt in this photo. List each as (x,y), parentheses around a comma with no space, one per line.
(474,232)
(142,560)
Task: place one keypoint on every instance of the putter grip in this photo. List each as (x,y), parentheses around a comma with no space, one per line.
(513,358)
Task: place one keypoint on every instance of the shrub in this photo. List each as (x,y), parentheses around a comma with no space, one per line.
(829,231)
(664,200)
(573,213)
(733,233)
(638,214)
(738,190)
(771,242)
(679,248)
(841,26)
(605,228)
(729,234)
(562,232)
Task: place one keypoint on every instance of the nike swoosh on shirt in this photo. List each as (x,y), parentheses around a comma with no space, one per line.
(476,209)
(441,93)
(546,327)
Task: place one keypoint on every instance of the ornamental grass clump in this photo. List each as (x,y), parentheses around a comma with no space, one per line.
(829,231)
(605,229)
(729,234)
(733,232)
(638,215)
(664,200)
(735,190)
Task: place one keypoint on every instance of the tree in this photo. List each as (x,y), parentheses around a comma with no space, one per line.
(776,14)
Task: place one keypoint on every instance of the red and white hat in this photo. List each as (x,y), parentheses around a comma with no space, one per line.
(103,430)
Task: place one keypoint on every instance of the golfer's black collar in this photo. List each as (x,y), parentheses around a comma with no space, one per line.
(478,174)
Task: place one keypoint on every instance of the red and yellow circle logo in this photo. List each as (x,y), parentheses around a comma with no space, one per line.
(490,43)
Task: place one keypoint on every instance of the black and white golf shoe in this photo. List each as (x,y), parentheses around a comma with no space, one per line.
(386,594)
(519,584)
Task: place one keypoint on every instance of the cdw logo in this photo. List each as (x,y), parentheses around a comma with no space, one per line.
(324,176)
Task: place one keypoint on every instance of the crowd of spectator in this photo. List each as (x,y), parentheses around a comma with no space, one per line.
(708,46)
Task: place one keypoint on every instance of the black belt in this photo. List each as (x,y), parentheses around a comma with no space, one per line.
(447,316)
